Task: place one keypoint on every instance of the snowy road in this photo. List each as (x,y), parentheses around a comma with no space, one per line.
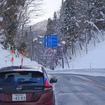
(79,90)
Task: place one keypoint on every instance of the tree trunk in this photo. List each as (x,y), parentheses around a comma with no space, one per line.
(72,48)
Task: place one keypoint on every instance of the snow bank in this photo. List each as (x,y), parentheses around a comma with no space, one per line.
(95,58)
(6,56)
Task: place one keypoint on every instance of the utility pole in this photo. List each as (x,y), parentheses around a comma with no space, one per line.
(32,47)
(62,59)
(38,50)
(62,63)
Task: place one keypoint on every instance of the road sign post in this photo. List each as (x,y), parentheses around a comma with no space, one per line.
(50,41)
(12,60)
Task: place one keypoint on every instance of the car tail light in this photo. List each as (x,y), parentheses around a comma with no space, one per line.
(48,103)
(47,86)
(19,70)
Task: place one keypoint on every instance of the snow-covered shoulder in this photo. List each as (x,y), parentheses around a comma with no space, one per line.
(6,56)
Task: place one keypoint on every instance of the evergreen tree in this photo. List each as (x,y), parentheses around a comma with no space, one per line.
(55,23)
(99,13)
(50,29)
(68,20)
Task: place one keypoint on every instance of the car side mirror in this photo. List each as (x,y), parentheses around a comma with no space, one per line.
(53,80)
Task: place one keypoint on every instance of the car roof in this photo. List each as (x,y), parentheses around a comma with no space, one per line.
(23,68)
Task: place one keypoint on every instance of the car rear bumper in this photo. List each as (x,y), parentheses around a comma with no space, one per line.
(47,97)
(22,103)
(26,103)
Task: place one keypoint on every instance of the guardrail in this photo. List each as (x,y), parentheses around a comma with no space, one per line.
(92,71)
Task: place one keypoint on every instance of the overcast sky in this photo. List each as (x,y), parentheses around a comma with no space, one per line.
(48,9)
(51,6)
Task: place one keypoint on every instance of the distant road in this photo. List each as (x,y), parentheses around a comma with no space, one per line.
(79,90)
(92,71)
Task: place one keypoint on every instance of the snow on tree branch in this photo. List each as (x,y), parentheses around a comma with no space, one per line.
(103,15)
(2,2)
(92,24)
(1,19)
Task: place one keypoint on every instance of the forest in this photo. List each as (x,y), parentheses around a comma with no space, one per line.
(77,24)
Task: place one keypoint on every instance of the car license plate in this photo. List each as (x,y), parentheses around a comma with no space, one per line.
(18,97)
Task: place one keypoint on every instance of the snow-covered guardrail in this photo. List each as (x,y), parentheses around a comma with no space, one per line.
(93,71)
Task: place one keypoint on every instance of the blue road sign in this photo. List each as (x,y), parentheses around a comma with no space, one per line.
(50,40)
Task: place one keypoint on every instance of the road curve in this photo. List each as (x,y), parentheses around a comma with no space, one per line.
(79,90)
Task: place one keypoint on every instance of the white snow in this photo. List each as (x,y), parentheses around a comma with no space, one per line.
(92,24)
(63,42)
(6,56)
(103,15)
(1,19)
(94,59)
(5,3)
(1,2)
(92,63)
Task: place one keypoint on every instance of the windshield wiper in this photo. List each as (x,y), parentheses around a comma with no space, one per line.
(24,82)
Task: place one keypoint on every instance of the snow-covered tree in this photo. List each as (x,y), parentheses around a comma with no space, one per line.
(16,14)
(68,23)
(30,9)
(9,8)
(50,30)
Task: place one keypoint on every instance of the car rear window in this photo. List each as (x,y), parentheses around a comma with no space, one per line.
(26,77)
